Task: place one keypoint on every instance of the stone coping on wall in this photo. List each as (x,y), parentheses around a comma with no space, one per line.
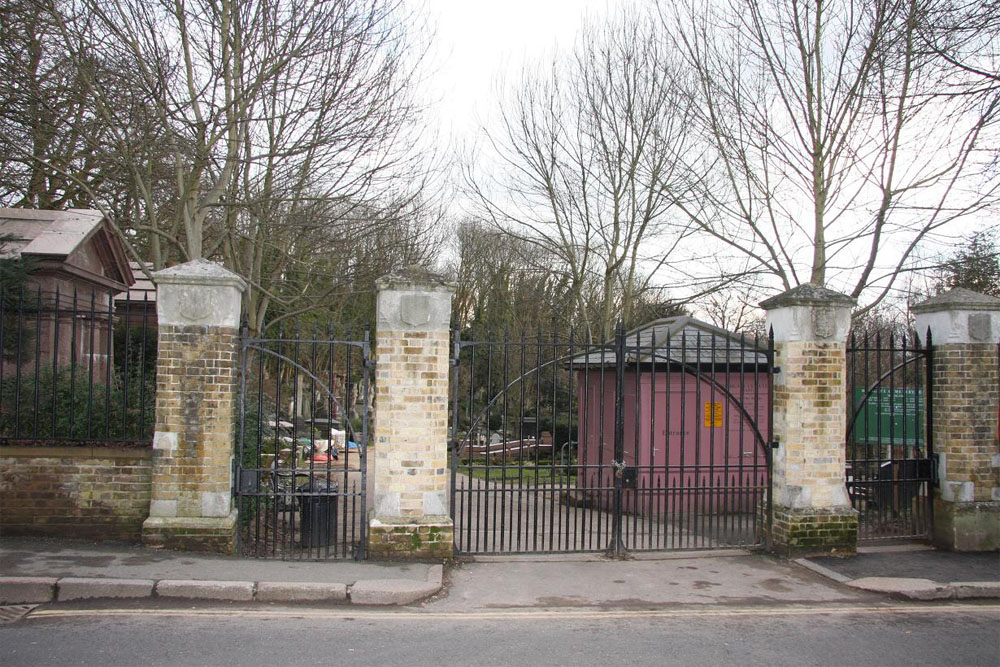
(75,450)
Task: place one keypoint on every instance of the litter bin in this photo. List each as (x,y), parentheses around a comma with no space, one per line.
(318,513)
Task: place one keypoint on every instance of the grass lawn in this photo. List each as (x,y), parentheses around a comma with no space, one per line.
(529,473)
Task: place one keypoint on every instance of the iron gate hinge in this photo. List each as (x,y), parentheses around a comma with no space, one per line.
(774,444)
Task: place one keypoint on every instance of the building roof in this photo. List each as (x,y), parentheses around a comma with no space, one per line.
(55,239)
(679,339)
(142,291)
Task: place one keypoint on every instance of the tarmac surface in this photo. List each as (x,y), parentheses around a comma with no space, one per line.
(938,566)
(40,570)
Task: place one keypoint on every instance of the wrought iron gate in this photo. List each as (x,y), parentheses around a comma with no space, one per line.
(890,453)
(300,477)
(657,441)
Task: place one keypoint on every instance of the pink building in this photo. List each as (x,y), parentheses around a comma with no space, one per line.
(695,413)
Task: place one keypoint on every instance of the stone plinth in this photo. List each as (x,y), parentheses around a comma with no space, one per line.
(198,309)
(410,518)
(965,330)
(812,512)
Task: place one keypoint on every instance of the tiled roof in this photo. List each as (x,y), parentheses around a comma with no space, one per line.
(47,233)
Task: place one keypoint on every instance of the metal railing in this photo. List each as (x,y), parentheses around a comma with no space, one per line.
(302,442)
(890,464)
(77,366)
(657,441)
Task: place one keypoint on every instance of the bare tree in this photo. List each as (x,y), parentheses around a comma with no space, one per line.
(502,282)
(964,35)
(282,124)
(55,151)
(829,155)
(587,154)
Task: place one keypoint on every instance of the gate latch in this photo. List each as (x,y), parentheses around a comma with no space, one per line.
(249,481)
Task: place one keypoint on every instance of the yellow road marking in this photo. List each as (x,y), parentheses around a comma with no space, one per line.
(513,615)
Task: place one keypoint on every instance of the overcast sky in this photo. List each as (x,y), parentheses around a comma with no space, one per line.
(478,40)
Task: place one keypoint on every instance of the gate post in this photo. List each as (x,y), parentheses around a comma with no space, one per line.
(963,415)
(198,311)
(410,518)
(812,512)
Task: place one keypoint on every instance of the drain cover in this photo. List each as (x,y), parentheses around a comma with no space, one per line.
(14,613)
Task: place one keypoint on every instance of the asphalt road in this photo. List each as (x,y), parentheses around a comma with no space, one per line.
(876,634)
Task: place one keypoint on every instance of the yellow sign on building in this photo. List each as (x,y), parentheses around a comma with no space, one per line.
(713,414)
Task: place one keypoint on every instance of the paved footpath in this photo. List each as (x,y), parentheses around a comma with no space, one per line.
(915,572)
(43,570)
(39,570)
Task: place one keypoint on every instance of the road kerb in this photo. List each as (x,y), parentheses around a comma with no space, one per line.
(85,588)
(299,591)
(237,591)
(821,570)
(967,590)
(910,588)
(23,590)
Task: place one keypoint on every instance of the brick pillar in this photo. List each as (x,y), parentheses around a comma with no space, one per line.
(410,518)
(198,310)
(812,512)
(964,402)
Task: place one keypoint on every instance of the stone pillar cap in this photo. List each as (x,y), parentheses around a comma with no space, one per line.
(957,298)
(808,294)
(199,272)
(416,276)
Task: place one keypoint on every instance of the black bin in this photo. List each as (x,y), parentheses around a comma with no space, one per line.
(319,513)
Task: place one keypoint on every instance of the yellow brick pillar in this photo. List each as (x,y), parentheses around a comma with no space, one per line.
(411,518)
(964,402)
(812,512)
(198,311)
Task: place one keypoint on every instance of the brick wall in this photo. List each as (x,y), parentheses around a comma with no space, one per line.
(964,407)
(83,492)
(814,531)
(425,540)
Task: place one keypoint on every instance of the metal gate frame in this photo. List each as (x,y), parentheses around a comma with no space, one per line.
(295,502)
(721,504)
(890,477)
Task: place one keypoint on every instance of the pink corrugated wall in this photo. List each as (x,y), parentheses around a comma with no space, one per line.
(697,455)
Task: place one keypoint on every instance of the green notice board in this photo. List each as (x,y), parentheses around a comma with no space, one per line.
(889,416)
